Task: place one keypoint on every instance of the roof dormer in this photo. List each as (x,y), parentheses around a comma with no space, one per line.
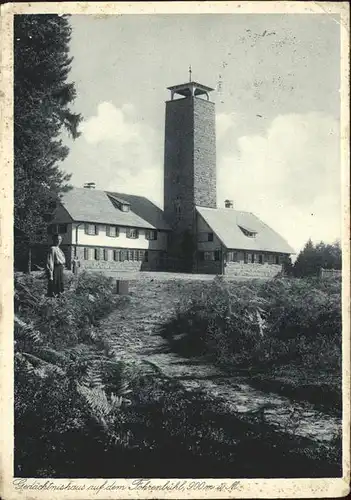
(122,205)
(250,233)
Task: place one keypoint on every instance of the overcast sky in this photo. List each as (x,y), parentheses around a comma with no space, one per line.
(277,109)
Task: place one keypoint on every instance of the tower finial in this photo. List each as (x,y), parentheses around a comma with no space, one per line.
(190,73)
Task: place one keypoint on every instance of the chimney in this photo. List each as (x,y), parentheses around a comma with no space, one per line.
(228,204)
(89,185)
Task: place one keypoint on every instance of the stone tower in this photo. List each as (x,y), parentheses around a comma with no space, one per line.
(189,163)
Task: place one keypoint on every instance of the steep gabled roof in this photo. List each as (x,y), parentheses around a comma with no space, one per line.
(226,224)
(92,205)
(144,208)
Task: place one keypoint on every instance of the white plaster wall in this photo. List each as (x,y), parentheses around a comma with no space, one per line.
(120,241)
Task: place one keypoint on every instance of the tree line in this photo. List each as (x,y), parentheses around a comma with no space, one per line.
(314,257)
(43,96)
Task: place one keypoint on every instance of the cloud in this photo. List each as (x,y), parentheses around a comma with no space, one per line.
(224,123)
(113,124)
(289,176)
(117,150)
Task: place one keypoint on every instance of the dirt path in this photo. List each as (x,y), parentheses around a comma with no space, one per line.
(133,332)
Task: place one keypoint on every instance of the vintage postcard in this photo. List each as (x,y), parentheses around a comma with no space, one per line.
(175,260)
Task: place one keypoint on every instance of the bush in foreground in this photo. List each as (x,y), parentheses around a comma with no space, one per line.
(82,413)
(256,325)
(66,374)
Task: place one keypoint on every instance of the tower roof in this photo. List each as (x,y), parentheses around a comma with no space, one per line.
(190,89)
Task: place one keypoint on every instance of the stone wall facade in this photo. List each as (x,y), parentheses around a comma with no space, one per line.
(204,157)
(189,170)
(209,267)
(178,164)
(254,270)
(233,269)
(153,262)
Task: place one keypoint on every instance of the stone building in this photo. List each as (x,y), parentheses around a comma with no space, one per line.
(127,232)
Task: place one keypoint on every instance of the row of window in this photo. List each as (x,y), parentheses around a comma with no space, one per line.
(234,257)
(109,254)
(215,255)
(112,231)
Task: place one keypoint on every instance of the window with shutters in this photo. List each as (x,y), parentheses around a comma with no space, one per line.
(91,229)
(124,255)
(106,252)
(112,231)
(97,253)
(232,256)
(209,256)
(151,234)
(86,253)
(132,233)
(117,255)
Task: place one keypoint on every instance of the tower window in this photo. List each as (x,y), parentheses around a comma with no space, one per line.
(210,236)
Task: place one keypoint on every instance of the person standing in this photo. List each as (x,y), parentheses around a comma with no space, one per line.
(55,264)
(75,266)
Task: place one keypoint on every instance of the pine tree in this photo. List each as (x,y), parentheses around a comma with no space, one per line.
(313,258)
(305,264)
(42,98)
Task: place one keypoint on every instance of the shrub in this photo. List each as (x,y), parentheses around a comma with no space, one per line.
(254,324)
(66,375)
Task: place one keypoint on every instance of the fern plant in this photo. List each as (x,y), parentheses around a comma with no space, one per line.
(66,374)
